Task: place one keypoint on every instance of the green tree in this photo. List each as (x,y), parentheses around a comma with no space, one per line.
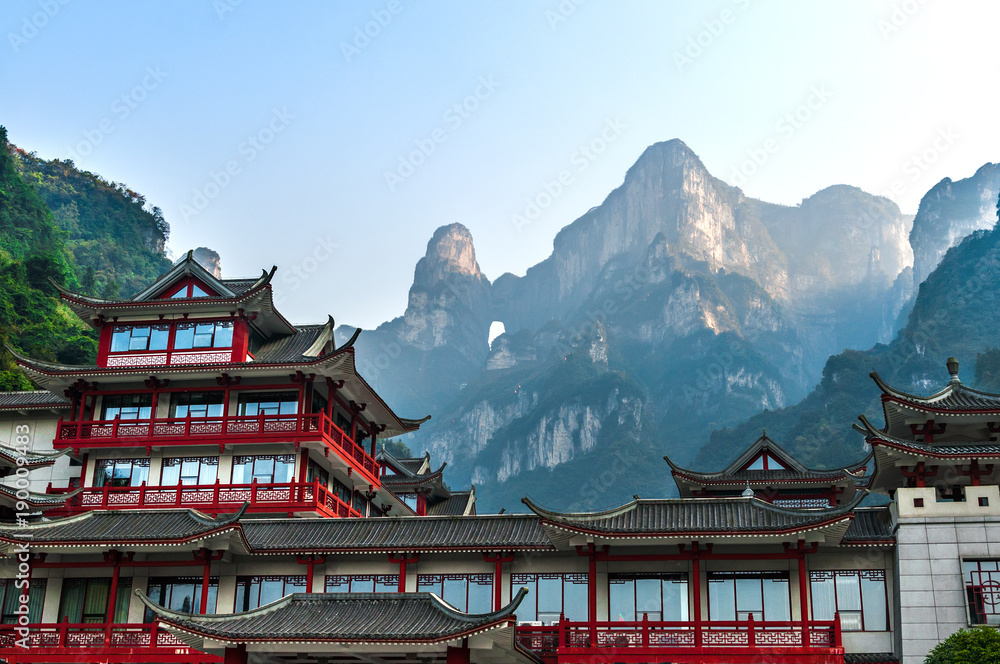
(979,645)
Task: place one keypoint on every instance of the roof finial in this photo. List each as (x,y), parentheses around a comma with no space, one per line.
(763,432)
(953,369)
(748,492)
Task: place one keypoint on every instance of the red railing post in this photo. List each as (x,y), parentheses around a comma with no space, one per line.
(838,637)
(215,493)
(751,634)
(63,626)
(187,425)
(142,493)
(562,631)
(253,491)
(104,493)
(153,633)
(114,427)
(645,630)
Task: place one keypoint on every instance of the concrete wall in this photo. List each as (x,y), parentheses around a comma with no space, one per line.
(932,541)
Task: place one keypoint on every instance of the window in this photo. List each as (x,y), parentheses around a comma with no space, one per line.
(86,600)
(362,583)
(551,595)
(316,472)
(125,338)
(218,334)
(265,468)
(471,593)
(859,596)
(127,406)
(982,590)
(190,290)
(737,595)
(10,600)
(343,492)
(180,594)
(197,404)
(658,596)
(121,472)
(189,471)
(766,462)
(269,403)
(256,591)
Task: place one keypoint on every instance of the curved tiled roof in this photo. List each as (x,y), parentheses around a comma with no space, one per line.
(682,517)
(953,397)
(10,457)
(939,450)
(100,527)
(871,525)
(391,534)
(339,617)
(870,658)
(31,399)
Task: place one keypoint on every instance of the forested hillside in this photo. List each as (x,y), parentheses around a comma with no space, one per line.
(76,229)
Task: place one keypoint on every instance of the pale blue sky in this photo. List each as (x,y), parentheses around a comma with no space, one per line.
(161,95)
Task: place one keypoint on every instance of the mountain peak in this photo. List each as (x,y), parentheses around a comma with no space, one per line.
(449,251)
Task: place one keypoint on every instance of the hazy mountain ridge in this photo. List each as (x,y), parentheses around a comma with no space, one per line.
(683,307)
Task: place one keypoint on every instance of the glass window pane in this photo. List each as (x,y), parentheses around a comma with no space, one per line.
(824,604)
(387,583)
(776,600)
(675,600)
(748,597)
(873,594)
(120,341)
(757,464)
(284,468)
(159,337)
(480,597)
(197,292)
(575,599)
(223,335)
(526,611)
(454,593)
(622,599)
(722,599)
(184,336)
(550,595)
(271,590)
(848,592)
(648,598)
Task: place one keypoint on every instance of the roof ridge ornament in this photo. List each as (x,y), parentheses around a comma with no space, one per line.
(748,492)
(952,365)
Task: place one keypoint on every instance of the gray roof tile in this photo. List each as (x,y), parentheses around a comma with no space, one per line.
(871,524)
(32,399)
(101,526)
(341,617)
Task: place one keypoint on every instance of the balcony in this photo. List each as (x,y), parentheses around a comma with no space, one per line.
(291,498)
(228,429)
(97,642)
(735,642)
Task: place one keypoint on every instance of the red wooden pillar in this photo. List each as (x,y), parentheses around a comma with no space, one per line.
(303,470)
(206,581)
(592,595)
(803,598)
(456,655)
(402,560)
(235,655)
(498,560)
(115,558)
(696,581)
(310,563)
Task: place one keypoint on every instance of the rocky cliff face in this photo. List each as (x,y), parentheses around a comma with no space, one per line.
(677,307)
(210,260)
(949,212)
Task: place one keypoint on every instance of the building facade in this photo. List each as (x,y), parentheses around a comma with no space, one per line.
(211,491)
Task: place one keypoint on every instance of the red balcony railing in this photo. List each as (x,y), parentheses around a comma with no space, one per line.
(813,642)
(98,642)
(227,428)
(264,497)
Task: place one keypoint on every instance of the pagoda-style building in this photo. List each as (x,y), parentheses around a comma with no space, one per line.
(423,489)
(211,492)
(768,472)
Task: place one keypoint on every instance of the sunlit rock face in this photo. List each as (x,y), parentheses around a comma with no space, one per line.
(210,260)
(677,307)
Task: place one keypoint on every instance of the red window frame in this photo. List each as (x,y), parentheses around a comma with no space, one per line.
(435,583)
(869,574)
(291,583)
(982,590)
(582,579)
(390,582)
